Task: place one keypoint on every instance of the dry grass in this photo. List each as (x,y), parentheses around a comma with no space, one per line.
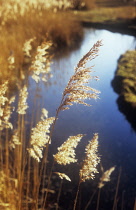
(25,22)
(103,14)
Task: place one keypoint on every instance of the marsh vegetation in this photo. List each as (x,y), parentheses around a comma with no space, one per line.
(32,174)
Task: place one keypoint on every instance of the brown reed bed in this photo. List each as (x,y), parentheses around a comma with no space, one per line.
(22,22)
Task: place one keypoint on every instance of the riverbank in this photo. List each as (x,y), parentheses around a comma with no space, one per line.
(116,19)
(63,28)
(124,83)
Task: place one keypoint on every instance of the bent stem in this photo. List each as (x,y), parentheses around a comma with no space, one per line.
(75,201)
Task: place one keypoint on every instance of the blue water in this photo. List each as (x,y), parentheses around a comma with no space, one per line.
(117,140)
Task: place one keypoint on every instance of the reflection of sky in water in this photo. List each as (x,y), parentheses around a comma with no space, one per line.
(117,140)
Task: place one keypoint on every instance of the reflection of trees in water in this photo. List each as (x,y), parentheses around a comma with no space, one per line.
(128,111)
(126,108)
(124,84)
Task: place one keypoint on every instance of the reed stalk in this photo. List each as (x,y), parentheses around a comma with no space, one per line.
(75,201)
(98,199)
(59,193)
(90,200)
(116,193)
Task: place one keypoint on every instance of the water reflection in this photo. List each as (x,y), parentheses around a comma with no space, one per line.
(128,111)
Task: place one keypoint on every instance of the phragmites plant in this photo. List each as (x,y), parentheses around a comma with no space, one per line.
(63,176)
(7,111)
(89,167)
(40,136)
(26,172)
(105,177)
(5,107)
(66,153)
(76,90)
(40,67)
(91,160)
(22,104)
(28,47)
(11,62)
(3,98)
(15,140)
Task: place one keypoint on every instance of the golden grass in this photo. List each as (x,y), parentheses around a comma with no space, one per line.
(103,14)
(18,27)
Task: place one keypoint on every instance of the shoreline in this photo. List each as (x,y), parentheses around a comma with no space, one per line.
(120,27)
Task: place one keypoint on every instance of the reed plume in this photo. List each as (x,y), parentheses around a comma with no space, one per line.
(3,98)
(7,111)
(11,62)
(41,63)
(76,90)
(28,47)
(91,160)
(5,107)
(105,177)
(63,176)
(22,104)
(15,140)
(40,136)
(66,152)
(90,163)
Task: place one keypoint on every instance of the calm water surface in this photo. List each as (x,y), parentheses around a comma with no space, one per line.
(117,140)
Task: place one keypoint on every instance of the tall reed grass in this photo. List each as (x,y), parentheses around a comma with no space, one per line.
(21,22)
(25,182)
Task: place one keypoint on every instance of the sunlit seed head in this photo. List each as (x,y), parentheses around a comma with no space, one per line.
(22,103)
(66,152)
(63,176)
(105,177)
(91,160)
(40,136)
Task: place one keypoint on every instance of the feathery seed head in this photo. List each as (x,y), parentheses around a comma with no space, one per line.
(105,177)
(22,104)
(5,107)
(3,90)
(66,152)
(28,47)
(41,62)
(40,136)
(63,176)
(11,62)
(76,90)
(15,140)
(91,160)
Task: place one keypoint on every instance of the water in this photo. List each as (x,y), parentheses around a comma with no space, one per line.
(117,140)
